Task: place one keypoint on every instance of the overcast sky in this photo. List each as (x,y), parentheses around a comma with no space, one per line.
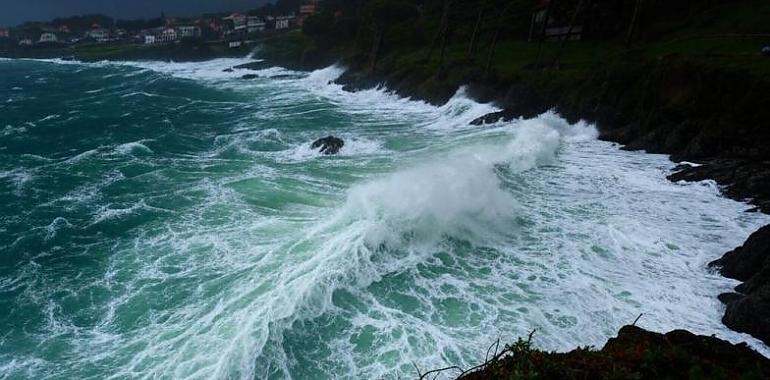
(14,12)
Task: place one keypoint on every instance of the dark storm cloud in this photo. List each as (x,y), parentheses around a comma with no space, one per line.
(13,12)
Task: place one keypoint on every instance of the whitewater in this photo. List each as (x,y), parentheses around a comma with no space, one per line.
(170,221)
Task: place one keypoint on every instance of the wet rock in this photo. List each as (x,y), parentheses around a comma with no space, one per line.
(751,314)
(744,262)
(742,179)
(250,76)
(519,100)
(328,145)
(728,298)
(749,310)
(228,70)
(256,65)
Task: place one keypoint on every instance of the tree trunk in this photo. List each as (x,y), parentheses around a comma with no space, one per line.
(491,55)
(379,38)
(566,38)
(476,31)
(548,11)
(444,42)
(495,38)
(441,30)
(634,21)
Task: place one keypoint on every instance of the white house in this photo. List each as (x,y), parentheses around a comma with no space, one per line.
(149,39)
(284,22)
(166,35)
(25,42)
(4,33)
(47,37)
(188,31)
(236,22)
(255,25)
(100,35)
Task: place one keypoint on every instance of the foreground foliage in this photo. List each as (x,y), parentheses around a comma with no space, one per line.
(635,354)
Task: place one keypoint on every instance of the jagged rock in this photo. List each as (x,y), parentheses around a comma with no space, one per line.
(749,310)
(743,263)
(743,179)
(228,70)
(256,65)
(328,145)
(751,314)
(634,354)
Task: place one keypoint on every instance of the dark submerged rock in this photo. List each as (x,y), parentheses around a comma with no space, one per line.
(256,65)
(328,145)
(250,76)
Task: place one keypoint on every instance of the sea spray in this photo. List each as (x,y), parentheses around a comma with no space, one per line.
(197,236)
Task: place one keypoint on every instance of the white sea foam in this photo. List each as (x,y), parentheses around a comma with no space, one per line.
(446,238)
(134,148)
(11,130)
(208,70)
(354,146)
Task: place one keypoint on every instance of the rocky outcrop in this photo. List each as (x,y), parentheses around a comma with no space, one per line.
(256,66)
(741,179)
(634,354)
(328,145)
(748,310)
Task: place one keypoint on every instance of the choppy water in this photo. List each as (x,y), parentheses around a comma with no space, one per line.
(170,221)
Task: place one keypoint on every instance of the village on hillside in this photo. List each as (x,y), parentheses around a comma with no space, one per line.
(231,28)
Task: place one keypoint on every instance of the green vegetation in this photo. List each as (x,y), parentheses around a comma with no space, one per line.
(635,354)
(725,34)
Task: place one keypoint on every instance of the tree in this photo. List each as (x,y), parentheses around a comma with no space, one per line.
(546,18)
(566,38)
(441,33)
(633,22)
(477,29)
(383,15)
(500,23)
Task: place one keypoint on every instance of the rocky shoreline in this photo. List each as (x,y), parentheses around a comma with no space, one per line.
(711,117)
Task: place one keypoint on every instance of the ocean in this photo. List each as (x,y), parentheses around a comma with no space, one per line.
(170,221)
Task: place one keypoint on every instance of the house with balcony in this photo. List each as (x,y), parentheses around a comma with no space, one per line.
(285,22)
(166,35)
(235,24)
(48,37)
(255,25)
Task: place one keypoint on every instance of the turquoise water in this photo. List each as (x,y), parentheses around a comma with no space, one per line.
(170,221)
